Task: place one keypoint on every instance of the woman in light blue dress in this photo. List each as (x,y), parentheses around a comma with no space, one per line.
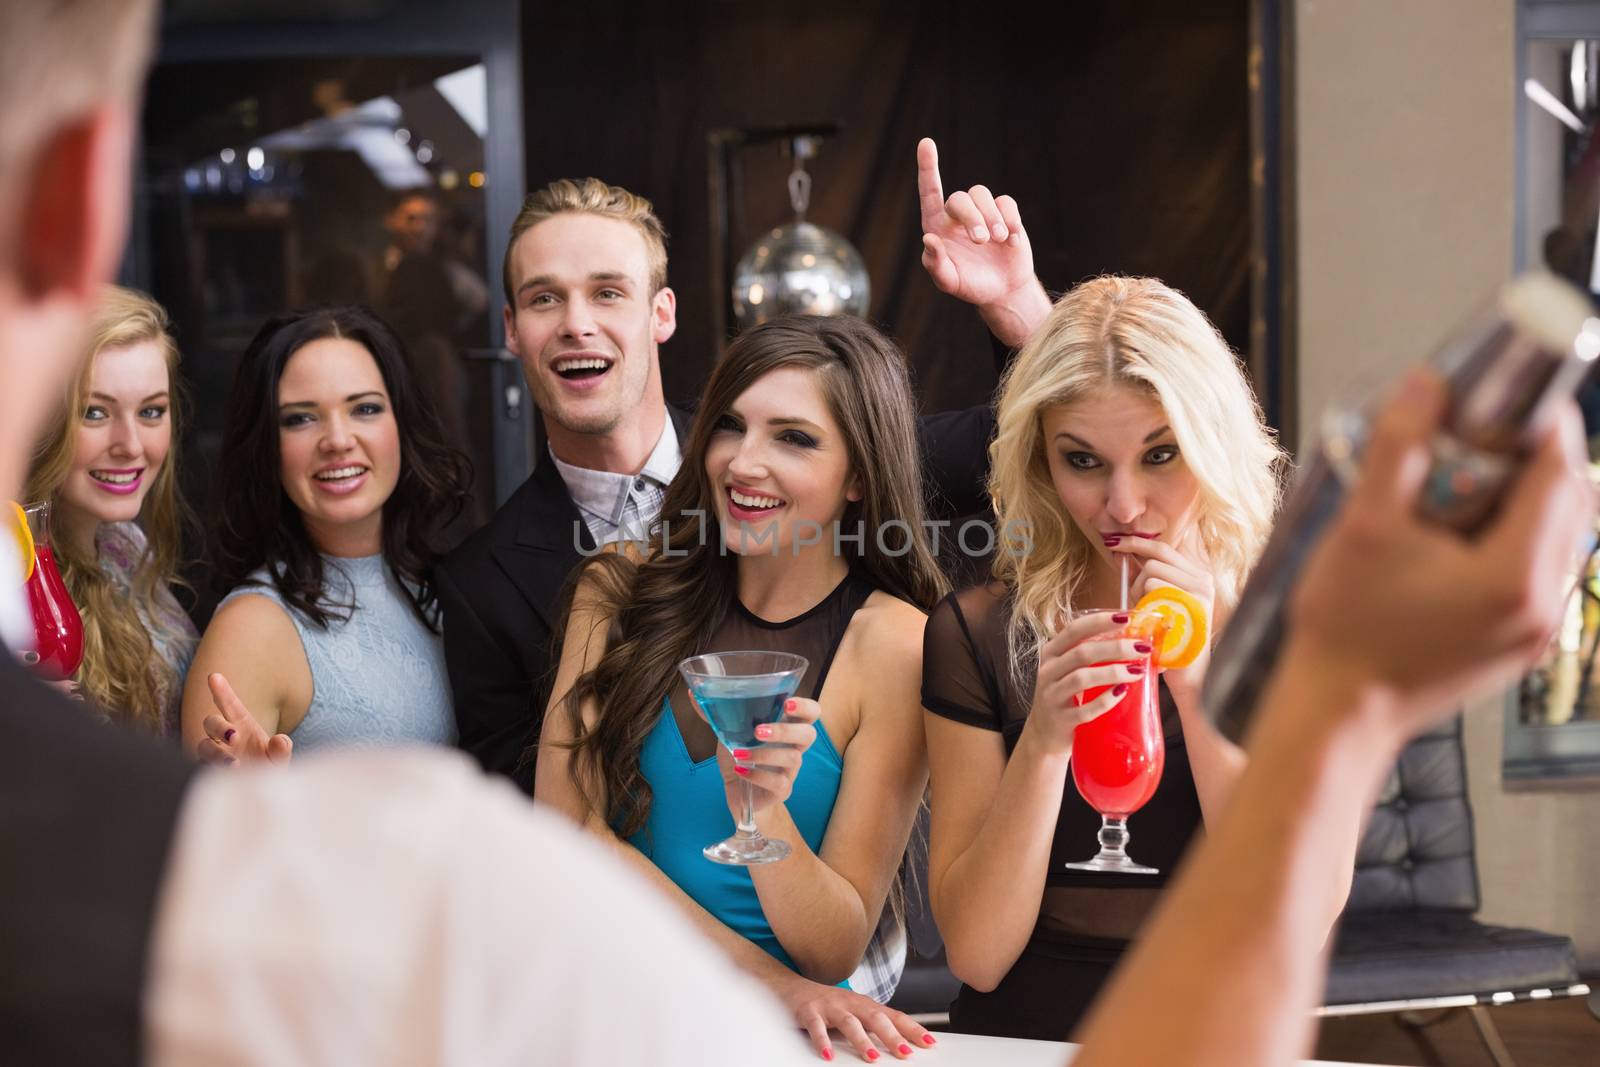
(333,491)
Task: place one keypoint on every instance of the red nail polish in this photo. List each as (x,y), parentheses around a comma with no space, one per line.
(872,1055)
(788,705)
(927,1039)
(1144,648)
(827,1054)
(1121,616)
(1119,690)
(1113,542)
(905,1049)
(763,731)
(1133,668)
(744,753)
(228,735)
(743,771)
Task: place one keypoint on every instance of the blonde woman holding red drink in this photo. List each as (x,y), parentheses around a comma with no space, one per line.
(108,471)
(1129,448)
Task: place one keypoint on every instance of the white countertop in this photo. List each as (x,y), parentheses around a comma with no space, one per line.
(964,1050)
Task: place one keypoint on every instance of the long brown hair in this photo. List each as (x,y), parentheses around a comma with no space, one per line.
(667,607)
(121,672)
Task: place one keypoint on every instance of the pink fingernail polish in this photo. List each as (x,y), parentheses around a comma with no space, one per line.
(827,1054)
(742,771)
(741,753)
(905,1049)
(927,1039)
(764,731)
(872,1055)
(788,705)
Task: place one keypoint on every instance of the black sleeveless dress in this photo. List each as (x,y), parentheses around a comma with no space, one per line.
(1086,919)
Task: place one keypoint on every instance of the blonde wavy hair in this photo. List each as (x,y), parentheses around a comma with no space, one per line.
(120,672)
(591,196)
(1138,333)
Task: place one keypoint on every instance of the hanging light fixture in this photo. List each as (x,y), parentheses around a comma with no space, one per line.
(799,268)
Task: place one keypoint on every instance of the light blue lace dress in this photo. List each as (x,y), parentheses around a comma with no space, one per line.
(378,678)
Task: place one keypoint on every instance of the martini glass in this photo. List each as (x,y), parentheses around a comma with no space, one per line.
(739,691)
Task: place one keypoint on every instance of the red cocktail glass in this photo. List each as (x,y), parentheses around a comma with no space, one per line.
(1118,757)
(57,648)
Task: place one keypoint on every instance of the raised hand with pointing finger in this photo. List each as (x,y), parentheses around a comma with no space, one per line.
(233,735)
(975,248)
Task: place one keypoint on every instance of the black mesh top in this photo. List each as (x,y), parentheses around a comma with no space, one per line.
(814,634)
(966,678)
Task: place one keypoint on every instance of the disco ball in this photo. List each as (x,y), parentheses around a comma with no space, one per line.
(799,269)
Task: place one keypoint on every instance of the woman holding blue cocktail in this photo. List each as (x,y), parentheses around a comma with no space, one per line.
(794,526)
(1130,448)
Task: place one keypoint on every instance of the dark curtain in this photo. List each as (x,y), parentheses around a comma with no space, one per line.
(1121,129)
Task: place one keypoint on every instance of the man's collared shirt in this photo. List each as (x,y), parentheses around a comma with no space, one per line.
(621,507)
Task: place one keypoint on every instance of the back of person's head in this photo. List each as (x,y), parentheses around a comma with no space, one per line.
(1141,334)
(119,671)
(70,82)
(664,607)
(591,196)
(59,59)
(255,523)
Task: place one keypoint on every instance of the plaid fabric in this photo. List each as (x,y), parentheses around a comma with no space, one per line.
(621,507)
(880,969)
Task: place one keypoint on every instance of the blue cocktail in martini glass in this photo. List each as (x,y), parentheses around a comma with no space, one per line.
(739,691)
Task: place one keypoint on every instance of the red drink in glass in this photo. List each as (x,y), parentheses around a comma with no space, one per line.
(57,648)
(1118,757)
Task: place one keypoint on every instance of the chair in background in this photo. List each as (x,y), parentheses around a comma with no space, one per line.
(1407,942)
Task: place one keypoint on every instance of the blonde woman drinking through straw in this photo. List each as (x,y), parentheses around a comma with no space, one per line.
(1128,443)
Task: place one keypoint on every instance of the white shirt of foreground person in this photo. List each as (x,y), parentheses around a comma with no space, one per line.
(398,907)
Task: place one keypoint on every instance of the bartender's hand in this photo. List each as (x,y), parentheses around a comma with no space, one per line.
(859,1019)
(233,735)
(1418,614)
(975,249)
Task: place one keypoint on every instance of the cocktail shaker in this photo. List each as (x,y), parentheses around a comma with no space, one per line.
(1507,369)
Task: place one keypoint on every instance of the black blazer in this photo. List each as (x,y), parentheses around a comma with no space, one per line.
(87,813)
(499,588)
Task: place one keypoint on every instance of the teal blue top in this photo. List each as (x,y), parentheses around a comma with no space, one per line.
(689,810)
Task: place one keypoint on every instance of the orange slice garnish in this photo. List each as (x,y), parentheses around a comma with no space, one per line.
(24,536)
(1185,631)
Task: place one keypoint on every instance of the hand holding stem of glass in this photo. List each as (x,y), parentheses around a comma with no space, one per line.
(1118,757)
(739,691)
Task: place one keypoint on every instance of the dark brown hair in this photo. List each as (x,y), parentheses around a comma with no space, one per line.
(256,524)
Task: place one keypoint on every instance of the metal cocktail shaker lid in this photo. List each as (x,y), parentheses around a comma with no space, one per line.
(1508,368)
